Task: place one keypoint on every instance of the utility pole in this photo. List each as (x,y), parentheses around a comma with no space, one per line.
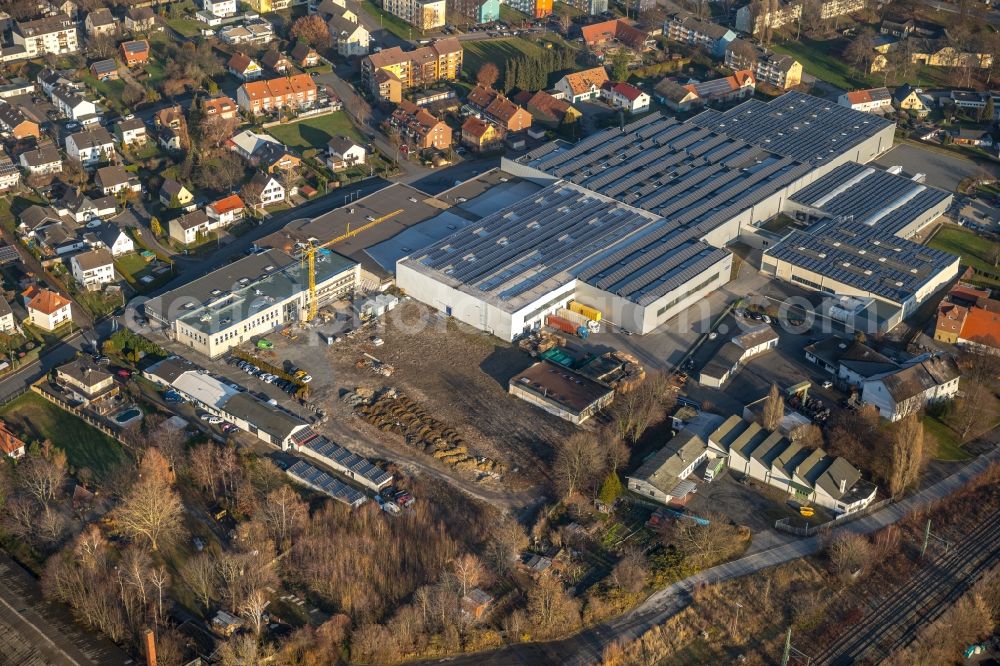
(927,536)
(788,648)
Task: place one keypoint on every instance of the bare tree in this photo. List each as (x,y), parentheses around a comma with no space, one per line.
(159,579)
(152,508)
(849,552)
(43,473)
(630,572)
(774,410)
(550,609)
(469,572)
(704,544)
(285,515)
(907,453)
(199,574)
(253,195)
(861,50)
(579,463)
(253,608)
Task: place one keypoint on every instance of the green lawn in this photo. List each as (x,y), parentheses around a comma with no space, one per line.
(497,51)
(110,90)
(975,250)
(393,24)
(34,418)
(948,447)
(314,132)
(823,60)
(510,15)
(185,26)
(133,267)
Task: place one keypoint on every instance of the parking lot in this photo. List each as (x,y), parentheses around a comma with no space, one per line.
(942,170)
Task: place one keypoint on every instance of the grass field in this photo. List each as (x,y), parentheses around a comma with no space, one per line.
(185,26)
(497,51)
(948,447)
(823,60)
(34,418)
(393,24)
(109,90)
(975,250)
(314,132)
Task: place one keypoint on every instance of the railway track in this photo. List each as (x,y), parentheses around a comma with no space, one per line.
(894,622)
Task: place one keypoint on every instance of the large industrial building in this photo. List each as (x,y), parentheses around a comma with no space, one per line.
(250,297)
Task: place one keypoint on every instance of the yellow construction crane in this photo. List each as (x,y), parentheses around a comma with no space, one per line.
(310,256)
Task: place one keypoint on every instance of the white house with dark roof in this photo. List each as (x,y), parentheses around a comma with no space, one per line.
(44,160)
(925,380)
(113,179)
(93,269)
(343,153)
(90,147)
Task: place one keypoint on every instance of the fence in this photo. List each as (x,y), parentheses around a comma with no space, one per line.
(81,414)
(311,113)
(784,524)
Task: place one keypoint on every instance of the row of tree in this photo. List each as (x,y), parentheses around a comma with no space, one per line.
(531,72)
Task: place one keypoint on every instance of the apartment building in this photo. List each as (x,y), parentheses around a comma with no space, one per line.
(390,72)
(420,127)
(751,20)
(421,14)
(51,34)
(834,8)
(777,70)
(534,8)
(686,28)
(256,97)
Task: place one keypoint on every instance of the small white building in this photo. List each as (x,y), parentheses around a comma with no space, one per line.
(625,96)
(343,153)
(93,269)
(272,192)
(873,100)
(221,8)
(728,359)
(90,147)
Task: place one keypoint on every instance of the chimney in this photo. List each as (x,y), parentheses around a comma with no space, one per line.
(843,485)
(150,648)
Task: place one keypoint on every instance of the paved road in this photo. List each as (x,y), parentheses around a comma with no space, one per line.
(588,646)
(44,633)
(991,16)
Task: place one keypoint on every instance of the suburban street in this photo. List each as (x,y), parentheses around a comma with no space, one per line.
(588,646)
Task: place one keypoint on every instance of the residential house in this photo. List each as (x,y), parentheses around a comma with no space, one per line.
(549,111)
(343,153)
(589,7)
(476,603)
(71,103)
(686,28)
(80,208)
(93,269)
(15,124)
(220,107)
(105,70)
(421,14)
(220,8)
(271,191)
(391,71)
(907,98)
(170,139)
(9,174)
(973,137)
(140,20)
(254,31)
(751,19)
(111,236)
(90,147)
(7,323)
(581,86)
(100,23)
(479,11)
(925,380)
(175,195)
(778,70)
(52,34)
(480,135)
(297,92)
(88,384)
(349,37)
(615,33)
(53,7)
(494,107)
(171,116)
(247,144)
(113,179)
(48,310)
(41,161)
(276,61)
(34,219)
(872,100)
(50,79)
(811,476)
(273,157)
(968,317)
(625,96)
(226,211)
(134,52)
(420,127)
(10,443)
(974,102)
(716,93)
(131,132)
(304,56)
(244,67)
(190,227)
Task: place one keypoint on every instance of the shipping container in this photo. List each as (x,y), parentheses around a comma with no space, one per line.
(579,319)
(566,326)
(585,310)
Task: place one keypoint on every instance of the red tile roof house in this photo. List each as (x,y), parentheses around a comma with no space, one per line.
(10,443)
(624,96)
(134,53)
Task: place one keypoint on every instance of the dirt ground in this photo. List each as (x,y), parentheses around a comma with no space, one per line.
(459,375)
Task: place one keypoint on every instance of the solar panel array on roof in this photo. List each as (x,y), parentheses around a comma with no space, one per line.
(345,458)
(315,478)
